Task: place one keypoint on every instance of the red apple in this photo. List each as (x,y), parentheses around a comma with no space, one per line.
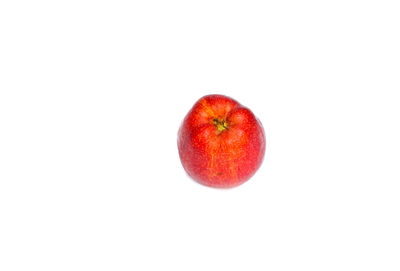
(221,143)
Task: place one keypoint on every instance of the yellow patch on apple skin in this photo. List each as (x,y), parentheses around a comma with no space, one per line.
(207,108)
(211,167)
(213,148)
(233,170)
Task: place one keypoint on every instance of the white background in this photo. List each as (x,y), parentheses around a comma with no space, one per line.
(91,97)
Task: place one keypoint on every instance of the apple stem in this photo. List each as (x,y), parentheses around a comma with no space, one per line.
(220,124)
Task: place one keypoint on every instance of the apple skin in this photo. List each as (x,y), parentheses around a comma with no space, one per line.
(221,143)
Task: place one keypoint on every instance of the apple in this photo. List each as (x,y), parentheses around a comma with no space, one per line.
(221,143)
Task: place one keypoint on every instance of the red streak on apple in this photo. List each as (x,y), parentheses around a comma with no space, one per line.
(221,143)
